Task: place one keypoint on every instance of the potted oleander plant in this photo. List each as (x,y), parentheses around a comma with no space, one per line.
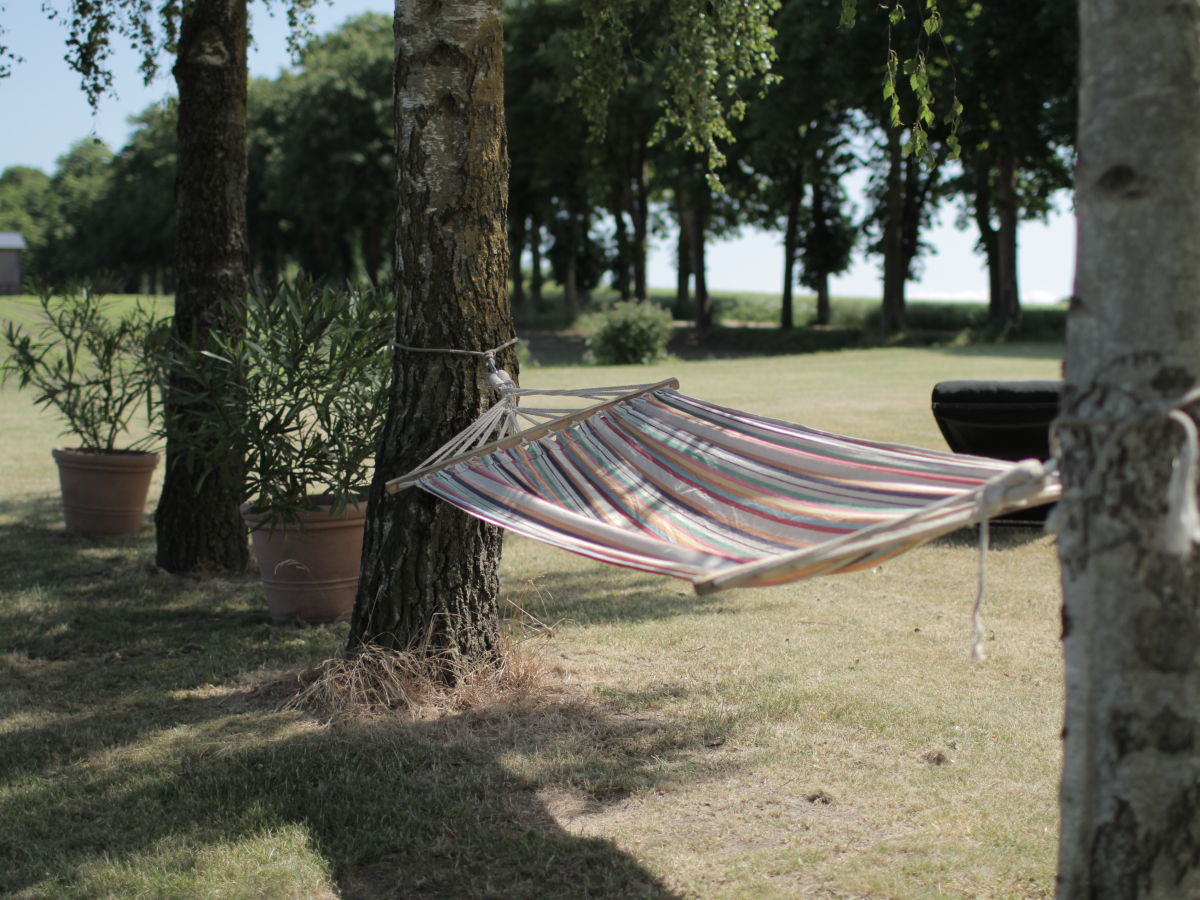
(300,394)
(93,366)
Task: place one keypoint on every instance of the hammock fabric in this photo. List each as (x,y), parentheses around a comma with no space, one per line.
(659,481)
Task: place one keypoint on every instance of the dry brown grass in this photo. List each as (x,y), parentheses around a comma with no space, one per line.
(422,684)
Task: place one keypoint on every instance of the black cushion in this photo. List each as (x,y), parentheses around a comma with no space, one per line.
(1001,419)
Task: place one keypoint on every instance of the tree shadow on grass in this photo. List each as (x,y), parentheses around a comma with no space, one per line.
(1051,350)
(428,810)
(607,595)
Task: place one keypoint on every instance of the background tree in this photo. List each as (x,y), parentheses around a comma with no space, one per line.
(196,530)
(68,247)
(794,137)
(1131,578)
(197,523)
(553,177)
(138,207)
(331,177)
(25,207)
(1016,70)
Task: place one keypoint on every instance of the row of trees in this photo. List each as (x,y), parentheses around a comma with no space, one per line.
(585,202)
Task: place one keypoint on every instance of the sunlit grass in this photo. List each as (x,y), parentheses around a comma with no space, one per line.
(829,738)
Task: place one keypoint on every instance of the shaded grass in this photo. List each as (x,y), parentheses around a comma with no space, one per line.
(829,738)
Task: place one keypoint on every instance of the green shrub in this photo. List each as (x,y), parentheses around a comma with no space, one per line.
(89,364)
(628,333)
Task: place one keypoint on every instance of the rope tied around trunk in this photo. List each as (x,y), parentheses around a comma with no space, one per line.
(1181,528)
(497,378)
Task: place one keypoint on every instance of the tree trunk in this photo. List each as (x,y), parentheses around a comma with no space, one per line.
(704,308)
(1008,310)
(570,283)
(1130,791)
(198,526)
(895,271)
(535,261)
(824,307)
(683,253)
(517,236)
(619,204)
(987,233)
(372,251)
(791,235)
(820,278)
(429,572)
(641,223)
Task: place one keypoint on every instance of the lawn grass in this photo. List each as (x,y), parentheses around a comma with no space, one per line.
(825,739)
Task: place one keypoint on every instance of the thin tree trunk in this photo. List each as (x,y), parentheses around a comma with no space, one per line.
(1130,793)
(683,256)
(372,251)
(641,223)
(820,278)
(987,235)
(197,525)
(571,279)
(1008,310)
(791,241)
(429,572)
(824,306)
(619,205)
(535,261)
(704,308)
(895,272)
(517,234)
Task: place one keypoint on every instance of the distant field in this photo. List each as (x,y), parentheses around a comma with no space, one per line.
(828,739)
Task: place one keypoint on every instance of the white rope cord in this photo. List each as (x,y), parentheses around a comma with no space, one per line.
(978,635)
(480,353)
(1182,526)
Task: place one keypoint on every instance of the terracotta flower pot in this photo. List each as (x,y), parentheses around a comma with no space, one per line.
(104,493)
(309,569)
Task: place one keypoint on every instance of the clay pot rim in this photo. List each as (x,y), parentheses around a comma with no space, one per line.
(105,460)
(101,451)
(317,512)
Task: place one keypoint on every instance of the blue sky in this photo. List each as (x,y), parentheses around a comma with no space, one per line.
(44,113)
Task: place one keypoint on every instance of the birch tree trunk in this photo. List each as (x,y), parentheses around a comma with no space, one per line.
(429,572)
(1130,792)
(201,530)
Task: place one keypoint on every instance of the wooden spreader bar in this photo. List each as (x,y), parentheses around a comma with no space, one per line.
(529,434)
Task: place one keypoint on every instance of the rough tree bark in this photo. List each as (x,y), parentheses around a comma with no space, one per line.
(429,572)
(1130,792)
(201,530)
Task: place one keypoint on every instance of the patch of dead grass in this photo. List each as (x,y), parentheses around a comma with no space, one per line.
(422,684)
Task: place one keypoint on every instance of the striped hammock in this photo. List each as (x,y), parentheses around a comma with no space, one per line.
(652,479)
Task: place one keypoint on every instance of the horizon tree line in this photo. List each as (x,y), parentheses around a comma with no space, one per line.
(583,207)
